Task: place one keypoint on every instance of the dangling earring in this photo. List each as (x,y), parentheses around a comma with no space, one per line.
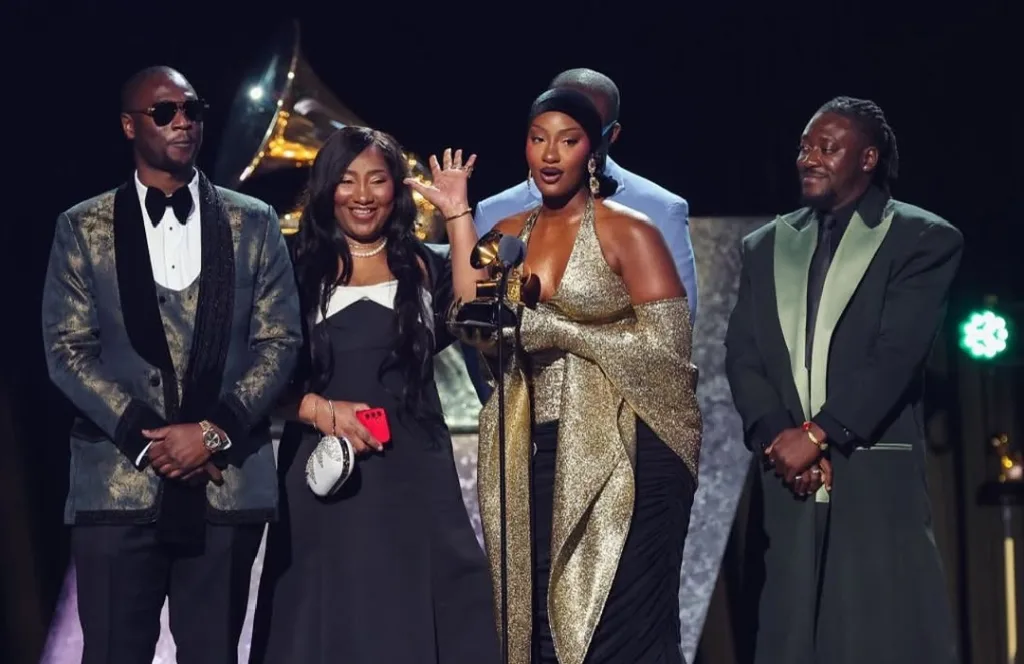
(595,186)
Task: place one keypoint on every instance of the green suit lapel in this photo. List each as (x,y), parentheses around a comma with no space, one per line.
(795,238)
(853,256)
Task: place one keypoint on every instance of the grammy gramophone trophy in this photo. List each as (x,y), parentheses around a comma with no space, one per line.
(499,299)
(499,296)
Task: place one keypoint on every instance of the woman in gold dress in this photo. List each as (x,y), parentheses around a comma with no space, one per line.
(603,428)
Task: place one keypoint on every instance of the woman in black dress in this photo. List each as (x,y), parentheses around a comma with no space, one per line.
(388,569)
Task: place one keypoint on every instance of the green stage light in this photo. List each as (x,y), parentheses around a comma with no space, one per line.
(984,335)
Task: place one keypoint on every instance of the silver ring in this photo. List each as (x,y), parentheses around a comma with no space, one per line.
(815,471)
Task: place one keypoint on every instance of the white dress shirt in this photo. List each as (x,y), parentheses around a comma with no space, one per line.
(175,250)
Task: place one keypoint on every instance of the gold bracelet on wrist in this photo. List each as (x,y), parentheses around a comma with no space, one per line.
(334,419)
(456,216)
(820,444)
(316,410)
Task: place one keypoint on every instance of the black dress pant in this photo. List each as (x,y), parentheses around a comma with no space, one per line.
(124,574)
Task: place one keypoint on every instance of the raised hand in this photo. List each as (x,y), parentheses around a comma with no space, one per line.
(448,191)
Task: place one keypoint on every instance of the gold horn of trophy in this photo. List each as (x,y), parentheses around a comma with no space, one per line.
(280,118)
(523,288)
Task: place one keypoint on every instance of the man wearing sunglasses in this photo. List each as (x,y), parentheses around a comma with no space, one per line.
(669,212)
(171,322)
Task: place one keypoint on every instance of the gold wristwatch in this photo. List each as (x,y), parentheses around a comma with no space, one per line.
(211,438)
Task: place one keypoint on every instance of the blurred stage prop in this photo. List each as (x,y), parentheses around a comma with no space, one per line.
(723,466)
(280,118)
(992,375)
(1006,492)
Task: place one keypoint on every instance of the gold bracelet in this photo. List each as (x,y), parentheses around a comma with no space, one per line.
(820,444)
(316,411)
(334,421)
(456,216)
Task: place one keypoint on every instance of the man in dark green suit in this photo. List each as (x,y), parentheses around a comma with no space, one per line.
(839,304)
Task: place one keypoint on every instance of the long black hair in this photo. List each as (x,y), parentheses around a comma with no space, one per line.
(578,106)
(320,245)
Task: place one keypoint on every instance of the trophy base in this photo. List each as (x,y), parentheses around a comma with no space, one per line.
(481,315)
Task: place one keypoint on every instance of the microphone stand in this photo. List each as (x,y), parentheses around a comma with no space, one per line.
(501,254)
(502,539)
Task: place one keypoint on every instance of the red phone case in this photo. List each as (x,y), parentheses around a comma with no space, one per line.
(376,422)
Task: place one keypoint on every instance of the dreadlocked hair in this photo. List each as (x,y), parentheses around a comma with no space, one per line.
(871,120)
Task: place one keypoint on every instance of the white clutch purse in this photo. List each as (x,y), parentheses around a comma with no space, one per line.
(330,465)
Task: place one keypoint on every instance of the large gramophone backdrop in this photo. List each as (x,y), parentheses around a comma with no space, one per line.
(279,119)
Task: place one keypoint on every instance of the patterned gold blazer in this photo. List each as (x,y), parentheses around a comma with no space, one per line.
(123,370)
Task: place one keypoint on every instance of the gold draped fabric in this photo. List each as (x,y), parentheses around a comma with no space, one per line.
(614,371)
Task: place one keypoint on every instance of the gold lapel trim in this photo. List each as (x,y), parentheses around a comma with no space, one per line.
(794,247)
(856,250)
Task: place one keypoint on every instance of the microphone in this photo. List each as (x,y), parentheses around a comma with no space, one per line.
(511,251)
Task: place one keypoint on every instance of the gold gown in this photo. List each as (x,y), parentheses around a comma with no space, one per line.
(593,361)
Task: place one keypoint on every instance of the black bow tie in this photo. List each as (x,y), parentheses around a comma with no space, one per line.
(156,203)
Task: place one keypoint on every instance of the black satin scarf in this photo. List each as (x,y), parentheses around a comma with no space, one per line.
(577,106)
(182,507)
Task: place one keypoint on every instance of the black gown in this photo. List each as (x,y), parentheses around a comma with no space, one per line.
(389,569)
(640,621)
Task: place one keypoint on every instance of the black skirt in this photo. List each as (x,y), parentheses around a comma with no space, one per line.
(388,569)
(640,621)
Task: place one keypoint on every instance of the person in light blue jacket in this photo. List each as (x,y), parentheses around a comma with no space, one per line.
(667,211)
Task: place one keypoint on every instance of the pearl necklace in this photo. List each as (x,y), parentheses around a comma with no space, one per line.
(372,252)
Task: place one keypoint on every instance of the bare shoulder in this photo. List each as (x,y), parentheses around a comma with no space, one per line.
(513,225)
(635,250)
(614,210)
(622,225)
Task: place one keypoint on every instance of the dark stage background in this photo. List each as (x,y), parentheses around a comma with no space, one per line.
(713,102)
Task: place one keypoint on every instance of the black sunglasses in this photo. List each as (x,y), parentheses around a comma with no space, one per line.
(163,112)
